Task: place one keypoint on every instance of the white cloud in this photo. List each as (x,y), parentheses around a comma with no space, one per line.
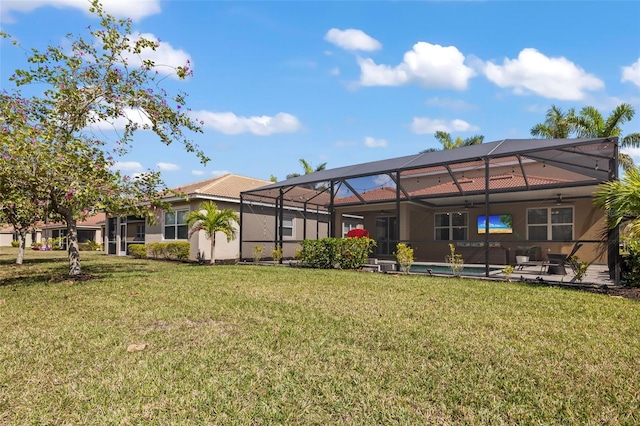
(453,104)
(219,172)
(370,142)
(384,180)
(335,71)
(168,167)
(429,65)
(165,57)
(351,39)
(424,125)
(135,10)
(231,124)
(198,172)
(632,73)
(128,166)
(135,115)
(634,153)
(532,71)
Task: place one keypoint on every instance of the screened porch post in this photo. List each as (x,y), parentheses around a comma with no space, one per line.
(486,216)
(240,224)
(281,216)
(613,254)
(397,208)
(332,213)
(304,227)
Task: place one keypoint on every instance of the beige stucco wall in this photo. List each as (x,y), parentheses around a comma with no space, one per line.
(6,239)
(417,224)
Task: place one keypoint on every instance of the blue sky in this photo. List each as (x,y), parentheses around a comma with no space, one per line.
(351,82)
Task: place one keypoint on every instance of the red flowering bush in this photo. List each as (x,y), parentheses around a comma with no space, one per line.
(358,233)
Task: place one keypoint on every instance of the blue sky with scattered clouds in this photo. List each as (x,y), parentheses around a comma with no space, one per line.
(350,82)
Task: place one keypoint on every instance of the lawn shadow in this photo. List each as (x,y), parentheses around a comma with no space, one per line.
(36,271)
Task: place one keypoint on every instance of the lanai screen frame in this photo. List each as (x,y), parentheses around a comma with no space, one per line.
(594,158)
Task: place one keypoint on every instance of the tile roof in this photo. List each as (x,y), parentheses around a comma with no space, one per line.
(93,221)
(506,181)
(378,194)
(227,186)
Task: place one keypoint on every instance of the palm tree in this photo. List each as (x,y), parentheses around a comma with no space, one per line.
(591,124)
(306,166)
(621,199)
(448,143)
(558,124)
(211,220)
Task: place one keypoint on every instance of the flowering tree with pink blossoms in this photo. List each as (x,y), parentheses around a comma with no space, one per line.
(103,78)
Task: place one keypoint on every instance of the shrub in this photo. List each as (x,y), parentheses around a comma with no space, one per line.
(455,261)
(156,249)
(355,251)
(93,246)
(15,244)
(507,271)
(631,264)
(179,250)
(358,233)
(276,254)
(404,256)
(81,246)
(139,251)
(257,253)
(345,253)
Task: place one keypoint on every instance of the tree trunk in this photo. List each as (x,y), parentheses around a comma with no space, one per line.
(213,249)
(21,243)
(72,247)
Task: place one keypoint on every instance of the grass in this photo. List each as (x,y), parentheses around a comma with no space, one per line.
(265,345)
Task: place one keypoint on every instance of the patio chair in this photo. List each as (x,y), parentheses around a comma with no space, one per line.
(556,262)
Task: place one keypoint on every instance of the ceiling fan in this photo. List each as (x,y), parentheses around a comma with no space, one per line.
(470,205)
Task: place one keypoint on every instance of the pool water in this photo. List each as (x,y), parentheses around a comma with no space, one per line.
(442,269)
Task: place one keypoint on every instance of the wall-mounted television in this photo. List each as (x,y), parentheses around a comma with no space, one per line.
(498,224)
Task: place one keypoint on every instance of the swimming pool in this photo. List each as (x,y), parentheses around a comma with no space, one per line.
(444,269)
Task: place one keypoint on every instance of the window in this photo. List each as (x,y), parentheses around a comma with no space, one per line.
(287,226)
(139,232)
(175,227)
(550,224)
(346,227)
(451,226)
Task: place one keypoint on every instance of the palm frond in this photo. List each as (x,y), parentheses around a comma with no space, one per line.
(620,115)
(625,161)
(632,140)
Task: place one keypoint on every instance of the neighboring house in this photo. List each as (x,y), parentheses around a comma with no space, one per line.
(536,193)
(90,229)
(8,235)
(225,192)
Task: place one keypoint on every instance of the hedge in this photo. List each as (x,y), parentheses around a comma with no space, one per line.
(178,250)
(138,251)
(343,253)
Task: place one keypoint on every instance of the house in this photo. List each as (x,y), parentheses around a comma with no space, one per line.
(8,235)
(490,200)
(225,191)
(89,229)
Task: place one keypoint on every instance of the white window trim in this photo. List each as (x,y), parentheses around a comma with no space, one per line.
(292,227)
(550,225)
(175,225)
(450,227)
(346,227)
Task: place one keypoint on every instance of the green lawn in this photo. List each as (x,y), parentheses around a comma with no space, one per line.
(269,345)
